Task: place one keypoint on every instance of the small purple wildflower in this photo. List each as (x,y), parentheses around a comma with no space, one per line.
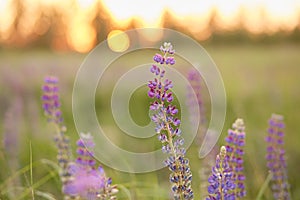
(195,88)
(85,157)
(235,142)
(88,181)
(51,106)
(11,142)
(50,98)
(85,183)
(159,59)
(275,157)
(170,61)
(167,126)
(11,136)
(221,182)
(196,107)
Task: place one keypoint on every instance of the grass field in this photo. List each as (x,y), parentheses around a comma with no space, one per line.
(259,80)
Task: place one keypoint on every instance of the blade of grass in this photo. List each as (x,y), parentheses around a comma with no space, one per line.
(45,195)
(50,163)
(37,184)
(31,175)
(16,174)
(126,191)
(23,170)
(264,186)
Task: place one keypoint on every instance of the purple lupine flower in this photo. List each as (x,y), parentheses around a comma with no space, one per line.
(88,181)
(167,126)
(159,59)
(276,158)
(50,98)
(170,60)
(11,142)
(196,107)
(11,136)
(85,183)
(235,142)
(192,103)
(221,182)
(85,157)
(51,106)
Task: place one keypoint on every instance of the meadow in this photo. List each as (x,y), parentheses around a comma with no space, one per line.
(259,80)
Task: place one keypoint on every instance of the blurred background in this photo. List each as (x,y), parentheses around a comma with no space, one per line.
(255,44)
(78,25)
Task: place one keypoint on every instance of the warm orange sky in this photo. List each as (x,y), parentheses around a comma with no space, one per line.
(279,13)
(258,16)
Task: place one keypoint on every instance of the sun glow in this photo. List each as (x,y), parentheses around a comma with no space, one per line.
(148,11)
(81,34)
(6,19)
(75,24)
(277,15)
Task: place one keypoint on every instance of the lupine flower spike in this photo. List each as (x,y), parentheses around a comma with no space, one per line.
(167,125)
(88,181)
(276,158)
(235,142)
(51,102)
(221,182)
(195,88)
(51,106)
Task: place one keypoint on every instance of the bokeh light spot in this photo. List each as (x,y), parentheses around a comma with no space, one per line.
(118,41)
(82,37)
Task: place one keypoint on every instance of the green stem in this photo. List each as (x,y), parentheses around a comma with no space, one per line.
(170,141)
(37,184)
(264,186)
(31,174)
(221,180)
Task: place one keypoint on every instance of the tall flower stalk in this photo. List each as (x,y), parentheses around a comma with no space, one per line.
(51,106)
(194,105)
(276,161)
(167,125)
(81,179)
(235,142)
(195,88)
(11,142)
(221,182)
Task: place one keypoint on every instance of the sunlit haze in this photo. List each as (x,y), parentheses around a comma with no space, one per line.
(74,21)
